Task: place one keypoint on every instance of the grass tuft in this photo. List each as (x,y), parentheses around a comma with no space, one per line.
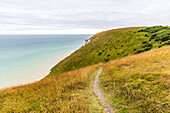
(139,83)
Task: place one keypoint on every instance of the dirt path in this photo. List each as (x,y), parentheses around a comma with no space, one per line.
(99,93)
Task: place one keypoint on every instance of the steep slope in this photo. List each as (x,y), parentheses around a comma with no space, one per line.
(135,83)
(113,44)
(138,83)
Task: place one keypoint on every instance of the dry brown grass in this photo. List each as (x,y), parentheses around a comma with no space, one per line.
(63,93)
(139,83)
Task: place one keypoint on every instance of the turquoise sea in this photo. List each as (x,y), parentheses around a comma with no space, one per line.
(29,58)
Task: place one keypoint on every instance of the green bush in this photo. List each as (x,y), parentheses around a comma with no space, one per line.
(165,38)
(108,55)
(106,59)
(147,49)
(138,51)
(152,29)
(100,53)
(146,35)
(147,45)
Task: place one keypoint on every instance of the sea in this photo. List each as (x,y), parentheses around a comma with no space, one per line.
(28,58)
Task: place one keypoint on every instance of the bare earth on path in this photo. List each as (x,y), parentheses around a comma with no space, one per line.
(99,93)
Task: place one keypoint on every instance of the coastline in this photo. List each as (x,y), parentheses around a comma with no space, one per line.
(44,75)
(31,59)
(49,70)
(56,64)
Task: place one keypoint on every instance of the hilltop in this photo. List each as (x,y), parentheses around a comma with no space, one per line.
(114,44)
(135,76)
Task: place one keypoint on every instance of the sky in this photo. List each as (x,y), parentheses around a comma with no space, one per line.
(79,16)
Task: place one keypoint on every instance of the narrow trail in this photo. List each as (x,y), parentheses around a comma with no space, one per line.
(99,93)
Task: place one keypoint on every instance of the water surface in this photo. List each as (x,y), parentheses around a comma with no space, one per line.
(27,58)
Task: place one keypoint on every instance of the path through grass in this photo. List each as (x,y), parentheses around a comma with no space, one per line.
(100,94)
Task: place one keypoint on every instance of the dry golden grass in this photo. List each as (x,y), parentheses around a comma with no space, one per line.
(63,93)
(139,83)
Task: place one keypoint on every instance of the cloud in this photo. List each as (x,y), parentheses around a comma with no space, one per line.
(57,15)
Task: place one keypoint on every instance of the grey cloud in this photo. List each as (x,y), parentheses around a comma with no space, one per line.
(74,14)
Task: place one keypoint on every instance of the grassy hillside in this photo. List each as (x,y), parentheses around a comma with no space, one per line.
(113,44)
(139,83)
(67,92)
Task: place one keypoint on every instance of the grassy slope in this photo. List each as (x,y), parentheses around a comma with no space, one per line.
(72,91)
(110,45)
(139,83)
(68,92)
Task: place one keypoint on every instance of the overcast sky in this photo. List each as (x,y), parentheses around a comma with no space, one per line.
(79,16)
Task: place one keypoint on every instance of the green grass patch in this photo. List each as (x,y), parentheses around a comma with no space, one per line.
(114,44)
(94,103)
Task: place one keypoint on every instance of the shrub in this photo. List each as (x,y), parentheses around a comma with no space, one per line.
(147,45)
(152,29)
(100,53)
(158,39)
(147,49)
(106,59)
(167,43)
(146,35)
(165,38)
(144,42)
(153,36)
(108,55)
(139,51)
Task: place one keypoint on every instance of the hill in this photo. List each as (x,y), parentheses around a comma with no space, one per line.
(132,81)
(138,83)
(114,44)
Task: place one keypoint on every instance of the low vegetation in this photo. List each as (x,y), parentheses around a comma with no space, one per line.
(135,83)
(68,92)
(114,44)
(159,35)
(139,83)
